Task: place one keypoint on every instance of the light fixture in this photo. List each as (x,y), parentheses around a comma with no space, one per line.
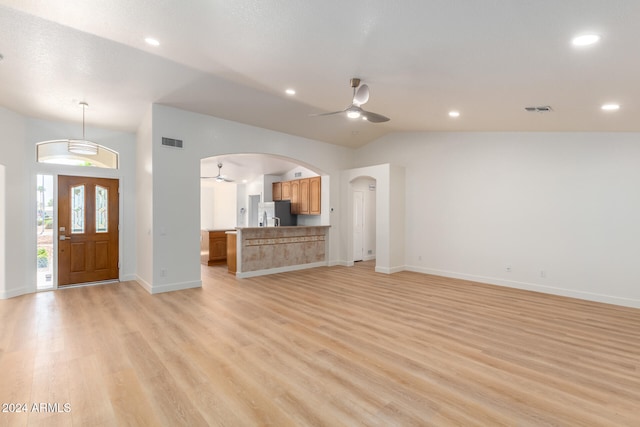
(454,114)
(290,92)
(353,112)
(585,40)
(82,146)
(610,107)
(151,41)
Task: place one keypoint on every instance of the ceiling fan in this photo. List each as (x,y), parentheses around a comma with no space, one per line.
(354,111)
(219,177)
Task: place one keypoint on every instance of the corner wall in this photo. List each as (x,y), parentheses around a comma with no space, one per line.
(550,212)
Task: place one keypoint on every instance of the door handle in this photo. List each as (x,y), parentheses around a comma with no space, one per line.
(65,237)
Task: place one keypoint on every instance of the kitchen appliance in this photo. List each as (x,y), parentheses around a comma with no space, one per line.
(269,211)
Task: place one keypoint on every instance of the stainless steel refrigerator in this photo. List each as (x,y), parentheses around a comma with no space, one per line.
(268,211)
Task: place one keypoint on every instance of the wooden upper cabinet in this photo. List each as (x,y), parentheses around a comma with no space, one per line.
(276,191)
(314,195)
(304,196)
(295,197)
(286,190)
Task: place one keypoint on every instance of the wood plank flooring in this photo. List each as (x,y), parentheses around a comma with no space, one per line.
(324,347)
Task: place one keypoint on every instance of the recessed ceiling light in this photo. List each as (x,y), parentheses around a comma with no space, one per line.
(610,107)
(585,40)
(151,41)
(290,91)
(454,114)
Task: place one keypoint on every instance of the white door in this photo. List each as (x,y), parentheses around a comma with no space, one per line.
(358,225)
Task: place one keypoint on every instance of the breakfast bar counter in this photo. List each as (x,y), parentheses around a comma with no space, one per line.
(268,250)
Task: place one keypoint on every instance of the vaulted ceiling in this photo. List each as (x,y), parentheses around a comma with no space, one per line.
(234,59)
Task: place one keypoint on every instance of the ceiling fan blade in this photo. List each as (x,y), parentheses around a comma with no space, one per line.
(362,95)
(326,114)
(374,117)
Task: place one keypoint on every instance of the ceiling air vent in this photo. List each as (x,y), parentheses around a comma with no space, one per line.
(540,109)
(170,142)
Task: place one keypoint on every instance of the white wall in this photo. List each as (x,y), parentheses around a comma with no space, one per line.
(3,214)
(218,201)
(13,151)
(176,182)
(560,205)
(144,203)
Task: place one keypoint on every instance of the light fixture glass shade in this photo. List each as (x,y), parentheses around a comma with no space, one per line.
(353,112)
(81,146)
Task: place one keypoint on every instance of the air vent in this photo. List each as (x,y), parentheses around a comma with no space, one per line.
(170,142)
(297,174)
(540,109)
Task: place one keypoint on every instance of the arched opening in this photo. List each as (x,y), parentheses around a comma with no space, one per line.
(237,190)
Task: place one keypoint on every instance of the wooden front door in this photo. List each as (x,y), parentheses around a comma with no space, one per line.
(88,229)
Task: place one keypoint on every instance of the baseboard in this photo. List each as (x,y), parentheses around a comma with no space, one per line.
(170,287)
(340,263)
(144,284)
(128,277)
(369,258)
(247,274)
(15,292)
(553,290)
(389,270)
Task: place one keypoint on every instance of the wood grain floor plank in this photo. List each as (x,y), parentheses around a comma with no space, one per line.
(330,346)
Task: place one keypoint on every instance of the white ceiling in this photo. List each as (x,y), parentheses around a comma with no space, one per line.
(245,167)
(234,59)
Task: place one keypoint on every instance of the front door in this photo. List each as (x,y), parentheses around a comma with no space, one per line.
(88,229)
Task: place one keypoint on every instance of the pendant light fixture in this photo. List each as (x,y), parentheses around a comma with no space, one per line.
(82,146)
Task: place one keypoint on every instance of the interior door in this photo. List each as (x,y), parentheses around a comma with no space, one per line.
(358,225)
(88,218)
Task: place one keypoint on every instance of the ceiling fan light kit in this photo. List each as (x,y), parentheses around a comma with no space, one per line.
(354,111)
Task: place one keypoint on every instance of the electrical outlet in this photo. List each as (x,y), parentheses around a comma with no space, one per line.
(543,274)
(163,272)
(419,257)
(370,252)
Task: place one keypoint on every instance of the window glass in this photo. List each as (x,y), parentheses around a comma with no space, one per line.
(102,209)
(77,209)
(57,152)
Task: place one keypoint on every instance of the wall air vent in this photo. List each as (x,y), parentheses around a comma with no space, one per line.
(170,142)
(540,109)
(297,174)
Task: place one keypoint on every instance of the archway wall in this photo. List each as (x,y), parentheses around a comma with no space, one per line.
(390,215)
(174,186)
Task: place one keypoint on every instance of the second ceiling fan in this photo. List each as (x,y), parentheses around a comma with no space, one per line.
(354,111)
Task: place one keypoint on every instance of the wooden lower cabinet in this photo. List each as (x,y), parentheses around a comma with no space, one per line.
(232,252)
(213,247)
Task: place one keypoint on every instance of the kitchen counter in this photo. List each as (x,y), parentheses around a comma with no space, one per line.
(267,250)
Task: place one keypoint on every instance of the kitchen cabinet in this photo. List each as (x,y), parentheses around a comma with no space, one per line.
(232,253)
(286,190)
(305,195)
(276,191)
(314,195)
(295,197)
(213,247)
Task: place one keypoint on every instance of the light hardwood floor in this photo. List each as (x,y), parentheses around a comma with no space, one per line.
(329,346)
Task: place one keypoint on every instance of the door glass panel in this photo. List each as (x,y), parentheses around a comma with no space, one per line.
(102,209)
(77,209)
